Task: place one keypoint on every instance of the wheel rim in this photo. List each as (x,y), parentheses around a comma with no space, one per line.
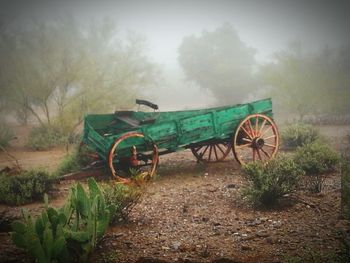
(211,153)
(113,155)
(256,139)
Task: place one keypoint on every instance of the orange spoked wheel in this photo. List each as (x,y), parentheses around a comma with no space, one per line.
(143,165)
(211,153)
(256,139)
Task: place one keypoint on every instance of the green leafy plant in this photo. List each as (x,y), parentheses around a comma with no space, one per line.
(316,158)
(299,134)
(69,233)
(45,137)
(269,182)
(25,187)
(122,197)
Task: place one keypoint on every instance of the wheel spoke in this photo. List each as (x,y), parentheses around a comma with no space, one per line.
(251,128)
(243,145)
(263,133)
(246,140)
(211,148)
(262,127)
(216,154)
(197,149)
(247,132)
(270,137)
(259,154)
(206,148)
(218,145)
(256,126)
(266,153)
(270,145)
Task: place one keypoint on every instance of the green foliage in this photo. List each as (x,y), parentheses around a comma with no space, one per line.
(43,237)
(122,197)
(271,181)
(58,69)
(220,62)
(74,161)
(69,164)
(345,187)
(45,137)
(309,83)
(316,158)
(69,233)
(299,134)
(24,187)
(6,134)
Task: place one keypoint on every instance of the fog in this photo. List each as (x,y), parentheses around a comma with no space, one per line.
(265,26)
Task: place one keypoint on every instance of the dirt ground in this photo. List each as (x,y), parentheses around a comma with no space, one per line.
(194,213)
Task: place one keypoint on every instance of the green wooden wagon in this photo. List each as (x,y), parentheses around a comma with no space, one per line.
(134,140)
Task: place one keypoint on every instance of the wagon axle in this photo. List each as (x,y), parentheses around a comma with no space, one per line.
(258,143)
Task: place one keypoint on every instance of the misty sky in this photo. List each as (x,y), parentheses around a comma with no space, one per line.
(266,25)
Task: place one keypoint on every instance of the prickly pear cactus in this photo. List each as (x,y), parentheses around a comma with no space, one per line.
(78,226)
(42,237)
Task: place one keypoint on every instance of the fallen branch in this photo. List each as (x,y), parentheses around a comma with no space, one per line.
(12,158)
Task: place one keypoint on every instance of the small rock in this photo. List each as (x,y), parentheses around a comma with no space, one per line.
(271,240)
(206,174)
(175,245)
(244,235)
(262,234)
(230,186)
(246,247)
(165,248)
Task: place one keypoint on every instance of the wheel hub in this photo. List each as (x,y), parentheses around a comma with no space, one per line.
(258,142)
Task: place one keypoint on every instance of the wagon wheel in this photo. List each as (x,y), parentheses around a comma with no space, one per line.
(256,138)
(143,168)
(87,156)
(211,153)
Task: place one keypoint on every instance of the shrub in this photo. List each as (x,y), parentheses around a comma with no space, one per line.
(345,187)
(316,158)
(299,134)
(123,197)
(74,161)
(69,164)
(25,187)
(271,181)
(6,135)
(45,137)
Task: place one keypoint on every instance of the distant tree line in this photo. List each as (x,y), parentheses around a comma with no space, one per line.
(301,83)
(57,70)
